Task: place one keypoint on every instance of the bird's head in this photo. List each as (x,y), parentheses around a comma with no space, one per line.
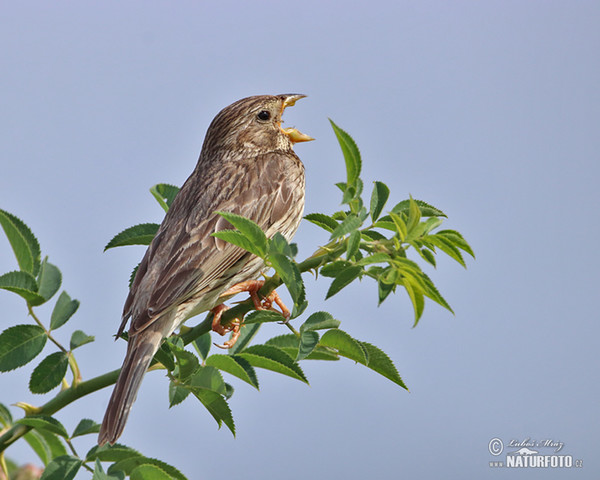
(254,123)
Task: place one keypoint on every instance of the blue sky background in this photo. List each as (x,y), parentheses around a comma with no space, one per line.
(489,110)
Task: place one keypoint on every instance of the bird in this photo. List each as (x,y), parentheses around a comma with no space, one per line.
(247,166)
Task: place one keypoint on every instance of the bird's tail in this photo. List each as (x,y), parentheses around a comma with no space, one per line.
(140,351)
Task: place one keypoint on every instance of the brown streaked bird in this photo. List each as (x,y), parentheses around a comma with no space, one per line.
(247,166)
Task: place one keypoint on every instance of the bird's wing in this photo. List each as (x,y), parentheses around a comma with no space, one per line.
(184,259)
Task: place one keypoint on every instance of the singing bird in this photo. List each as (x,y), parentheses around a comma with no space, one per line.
(247,166)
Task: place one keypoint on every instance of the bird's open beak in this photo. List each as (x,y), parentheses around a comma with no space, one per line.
(293,134)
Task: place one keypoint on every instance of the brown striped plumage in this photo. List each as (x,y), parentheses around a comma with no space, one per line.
(248,167)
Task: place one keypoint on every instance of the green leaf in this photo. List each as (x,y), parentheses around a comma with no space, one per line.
(426,209)
(346,345)
(54,442)
(64,467)
(289,343)
(85,427)
(457,239)
(79,338)
(202,345)
(289,273)
(111,453)
(149,472)
(234,365)
(322,220)
(177,393)
(164,356)
(247,333)
(208,378)
(248,229)
(384,290)
(262,316)
(401,227)
(187,362)
(414,215)
(23,242)
(240,240)
(23,284)
(381,363)
(38,445)
(49,373)
(416,297)
(49,280)
(278,244)
(129,464)
(19,345)
(335,268)
(308,342)
(44,422)
(374,258)
(274,359)
(353,244)
(5,416)
(217,407)
(446,246)
(319,321)
(99,473)
(349,224)
(63,310)
(351,154)
(164,194)
(141,234)
(379,197)
(343,279)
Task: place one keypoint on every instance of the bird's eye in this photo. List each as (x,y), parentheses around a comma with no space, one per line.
(264,115)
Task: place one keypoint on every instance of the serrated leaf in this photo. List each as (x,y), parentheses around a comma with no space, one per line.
(44,422)
(335,268)
(128,465)
(164,356)
(374,258)
(149,472)
(346,345)
(19,345)
(426,209)
(208,378)
(278,244)
(319,321)
(247,333)
(250,230)
(416,298)
(289,343)
(349,224)
(5,416)
(322,220)
(49,280)
(23,284)
(353,244)
(414,215)
(141,234)
(428,256)
(289,273)
(351,154)
(111,453)
(343,279)
(202,345)
(63,310)
(38,445)
(23,242)
(217,407)
(64,467)
(186,362)
(308,342)
(384,289)
(177,393)
(457,239)
(445,246)
(79,338)
(274,359)
(49,373)
(379,197)
(262,316)
(400,225)
(238,239)
(99,473)
(234,365)
(85,427)
(164,194)
(369,235)
(382,364)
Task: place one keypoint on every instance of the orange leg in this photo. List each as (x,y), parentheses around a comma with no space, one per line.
(252,287)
